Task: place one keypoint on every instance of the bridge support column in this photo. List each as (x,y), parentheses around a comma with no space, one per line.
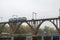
(34,31)
(34,35)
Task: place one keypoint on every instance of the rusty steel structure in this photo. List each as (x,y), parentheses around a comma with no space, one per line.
(15,25)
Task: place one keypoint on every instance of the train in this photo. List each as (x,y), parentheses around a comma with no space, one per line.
(18,19)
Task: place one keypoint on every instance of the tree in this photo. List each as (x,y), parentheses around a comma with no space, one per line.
(24,29)
(47,31)
(6,29)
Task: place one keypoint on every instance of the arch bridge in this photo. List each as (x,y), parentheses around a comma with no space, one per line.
(36,22)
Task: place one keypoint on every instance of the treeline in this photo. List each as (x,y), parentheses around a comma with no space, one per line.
(47,30)
(25,29)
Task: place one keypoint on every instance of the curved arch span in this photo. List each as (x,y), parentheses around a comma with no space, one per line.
(3,26)
(50,22)
(22,23)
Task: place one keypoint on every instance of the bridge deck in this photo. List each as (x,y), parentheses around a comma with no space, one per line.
(32,20)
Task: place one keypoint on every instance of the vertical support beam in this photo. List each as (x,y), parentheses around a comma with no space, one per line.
(59,27)
(31,22)
(34,24)
(59,23)
(37,22)
(34,28)
(59,18)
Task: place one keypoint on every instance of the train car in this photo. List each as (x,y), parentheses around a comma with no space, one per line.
(17,19)
(21,19)
(12,19)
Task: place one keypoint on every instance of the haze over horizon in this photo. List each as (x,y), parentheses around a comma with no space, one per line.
(43,8)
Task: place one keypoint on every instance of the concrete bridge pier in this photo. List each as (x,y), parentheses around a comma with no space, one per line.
(34,35)
(34,31)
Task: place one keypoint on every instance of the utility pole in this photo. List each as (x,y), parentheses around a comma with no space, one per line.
(59,13)
(34,15)
(1,18)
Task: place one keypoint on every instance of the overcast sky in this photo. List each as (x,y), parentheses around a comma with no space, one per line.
(24,8)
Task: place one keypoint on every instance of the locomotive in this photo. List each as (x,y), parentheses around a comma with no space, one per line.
(17,19)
